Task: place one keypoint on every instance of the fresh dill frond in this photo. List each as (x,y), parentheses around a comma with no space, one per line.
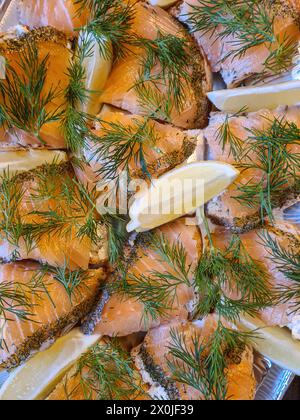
(156,290)
(74,121)
(230,282)
(226,136)
(110,24)
(244,25)
(170,52)
(107,373)
(154,103)
(25,99)
(16,302)
(60,206)
(202,363)
(117,235)
(119,145)
(280,58)
(73,281)
(288,263)
(11,196)
(270,151)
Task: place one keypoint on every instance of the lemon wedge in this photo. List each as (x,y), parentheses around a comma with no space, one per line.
(36,378)
(25,160)
(162,3)
(179,192)
(97,69)
(275,343)
(256,98)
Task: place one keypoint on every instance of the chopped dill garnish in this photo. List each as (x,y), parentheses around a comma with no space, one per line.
(106,373)
(25,101)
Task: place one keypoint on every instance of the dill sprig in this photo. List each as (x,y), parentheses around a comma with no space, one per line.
(72,208)
(156,290)
(117,235)
(251,23)
(270,151)
(170,52)
(74,121)
(203,363)
(288,263)
(70,211)
(16,302)
(120,145)
(11,195)
(72,281)
(226,136)
(106,373)
(110,24)
(25,100)
(232,271)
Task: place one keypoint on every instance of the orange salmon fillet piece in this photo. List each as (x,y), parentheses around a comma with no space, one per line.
(54,45)
(151,361)
(56,247)
(50,307)
(122,316)
(119,90)
(235,70)
(277,315)
(172,147)
(225,209)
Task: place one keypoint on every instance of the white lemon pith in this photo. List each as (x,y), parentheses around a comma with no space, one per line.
(179,192)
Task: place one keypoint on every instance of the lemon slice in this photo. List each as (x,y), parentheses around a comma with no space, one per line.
(179,192)
(162,3)
(256,98)
(40,374)
(275,343)
(25,160)
(97,69)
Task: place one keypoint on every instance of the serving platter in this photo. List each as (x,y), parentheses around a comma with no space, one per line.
(272,381)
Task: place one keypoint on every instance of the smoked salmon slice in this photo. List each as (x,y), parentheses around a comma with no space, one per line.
(53,49)
(226,209)
(63,15)
(49,221)
(151,359)
(51,310)
(171,146)
(120,92)
(236,70)
(255,245)
(121,315)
